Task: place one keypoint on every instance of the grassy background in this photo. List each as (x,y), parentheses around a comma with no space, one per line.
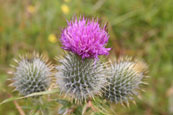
(139,28)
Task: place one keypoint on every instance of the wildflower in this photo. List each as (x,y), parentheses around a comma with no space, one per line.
(65,9)
(31,9)
(85,38)
(52,38)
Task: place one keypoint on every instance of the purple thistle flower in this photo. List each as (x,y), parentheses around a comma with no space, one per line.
(86,38)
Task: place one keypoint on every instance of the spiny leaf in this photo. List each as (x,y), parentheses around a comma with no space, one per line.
(30,95)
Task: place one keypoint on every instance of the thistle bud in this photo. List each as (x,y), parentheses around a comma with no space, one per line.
(124,80)
(80,78)
(32,74)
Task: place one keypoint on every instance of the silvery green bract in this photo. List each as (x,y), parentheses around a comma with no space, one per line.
(32,74)
(80,78)
(124,81)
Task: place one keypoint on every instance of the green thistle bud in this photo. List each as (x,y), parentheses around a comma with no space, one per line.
(125,77)
(32,74)
(80,78)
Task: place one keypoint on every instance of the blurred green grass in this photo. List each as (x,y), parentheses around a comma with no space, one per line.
(139,28)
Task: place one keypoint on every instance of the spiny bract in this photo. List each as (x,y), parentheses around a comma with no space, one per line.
(125,78)
(32,74)
(80,78)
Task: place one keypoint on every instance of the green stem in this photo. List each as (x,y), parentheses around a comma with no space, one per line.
(38,102)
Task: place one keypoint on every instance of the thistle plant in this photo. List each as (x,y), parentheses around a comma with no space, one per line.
(32,74)
(85,38)
(80,78)
(81,74)
(125,78)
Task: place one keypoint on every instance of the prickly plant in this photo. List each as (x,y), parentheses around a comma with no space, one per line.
(32,74)
(80,78)
(124,81)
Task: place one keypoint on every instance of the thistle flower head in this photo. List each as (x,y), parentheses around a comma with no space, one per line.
(85,38)
(80,79)
(125,78)
(32,74)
